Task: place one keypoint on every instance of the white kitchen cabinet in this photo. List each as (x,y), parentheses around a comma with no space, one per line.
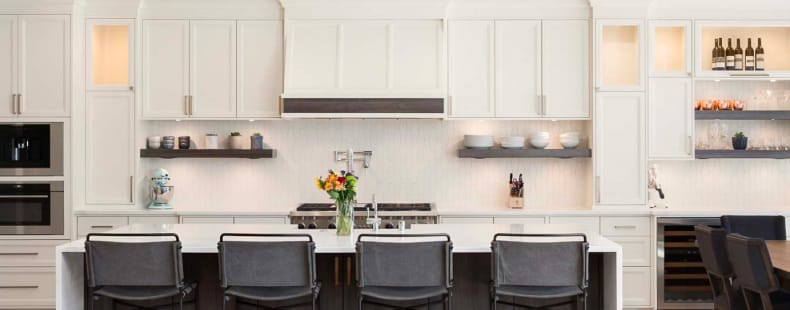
(109,54)
(99,224)
(566,68)
(619,152)
(519,220)
(364,58)
(670,118)
(212,73)
(44,66)
(259,68)
(670,48)
(206,220)
(260,220)
(518,69)
(471,58)
(467,220)
(619,51)
(153,220)
(8,64)
(109,148)
(637,286)
(165,69)
(590,223)
(636,250)
(27,287)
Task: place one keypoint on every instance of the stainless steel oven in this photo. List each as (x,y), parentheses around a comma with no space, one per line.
(32,208)
(31,149)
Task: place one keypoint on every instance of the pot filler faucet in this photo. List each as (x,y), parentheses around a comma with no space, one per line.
(350,156)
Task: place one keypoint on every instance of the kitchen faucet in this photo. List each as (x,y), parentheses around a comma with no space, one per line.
(375,221)
(349,156)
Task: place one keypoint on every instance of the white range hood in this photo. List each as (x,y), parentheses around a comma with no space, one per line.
(338,64)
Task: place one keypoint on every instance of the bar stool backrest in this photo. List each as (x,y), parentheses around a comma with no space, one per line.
(751,263)
(526,263)
(768,227)
(134,262)
(404,264)
(268,263)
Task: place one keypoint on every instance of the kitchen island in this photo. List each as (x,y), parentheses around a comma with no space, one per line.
(471,248)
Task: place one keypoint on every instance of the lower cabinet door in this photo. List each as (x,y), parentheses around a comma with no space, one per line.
(637,286)
(520,220)
(27,288)
(636,250)
(467,220)
(97,224)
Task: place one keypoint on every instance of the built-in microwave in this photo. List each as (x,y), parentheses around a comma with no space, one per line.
(32,208)
(31,149)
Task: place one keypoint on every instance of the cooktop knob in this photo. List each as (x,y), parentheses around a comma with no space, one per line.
(331,226)
(389,226)
(300,226)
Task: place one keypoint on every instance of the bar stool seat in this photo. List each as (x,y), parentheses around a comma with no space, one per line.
(539,291)
(402,293)
(140,293)
(270,293)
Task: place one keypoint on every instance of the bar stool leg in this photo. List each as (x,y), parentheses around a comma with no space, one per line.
(361,300)
(224,301)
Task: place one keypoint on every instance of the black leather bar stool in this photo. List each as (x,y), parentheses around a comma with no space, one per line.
(261,268)
(712,246)
(392,274)
(539,270)
(755,273)
(756,226)
(142,268)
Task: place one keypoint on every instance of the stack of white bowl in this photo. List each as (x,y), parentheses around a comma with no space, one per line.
(569,140)
(513,142)
(539,140)
(478,141)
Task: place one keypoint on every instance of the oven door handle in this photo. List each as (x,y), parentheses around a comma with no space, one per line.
(24,196)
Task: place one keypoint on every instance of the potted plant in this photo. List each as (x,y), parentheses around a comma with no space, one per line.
(256,141)
(236,141)
(342,188)
(739,141)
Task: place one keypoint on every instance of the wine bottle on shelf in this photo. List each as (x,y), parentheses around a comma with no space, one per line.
(738,55)
(730,56)
(714,60)
(722,56)
(749,63)
(759,56)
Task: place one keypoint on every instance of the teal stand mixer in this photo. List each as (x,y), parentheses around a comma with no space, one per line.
(161,193)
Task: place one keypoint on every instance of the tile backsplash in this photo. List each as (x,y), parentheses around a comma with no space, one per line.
(413,160)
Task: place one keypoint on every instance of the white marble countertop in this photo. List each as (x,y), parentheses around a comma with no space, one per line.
(203,238)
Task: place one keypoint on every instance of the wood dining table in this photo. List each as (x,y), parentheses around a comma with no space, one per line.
(779,250)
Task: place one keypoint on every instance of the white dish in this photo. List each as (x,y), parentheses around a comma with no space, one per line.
(569,143)
(539,143)
(478,141)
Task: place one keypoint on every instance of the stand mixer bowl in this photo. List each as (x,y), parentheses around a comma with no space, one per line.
(162,194)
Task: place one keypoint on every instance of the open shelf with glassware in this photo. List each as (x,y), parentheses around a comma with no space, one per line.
(716,37)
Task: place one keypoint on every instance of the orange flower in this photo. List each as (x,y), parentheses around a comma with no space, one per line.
(339,186)
(328,186)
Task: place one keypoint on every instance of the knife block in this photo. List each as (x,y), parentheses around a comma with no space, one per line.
(516,202)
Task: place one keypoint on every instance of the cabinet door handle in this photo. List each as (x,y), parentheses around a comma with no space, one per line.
(543,105)
(19,104)
(337,271)
(624,226)
(348,271)
(597,189)
(19,254)
(101,226)
(19,286)
(131,188)
(13,104)
(191,106)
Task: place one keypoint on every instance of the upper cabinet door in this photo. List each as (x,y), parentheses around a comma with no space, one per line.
(363,49)
(44,66)
(260,68)
(670,118)
(416,60)
(566,68)
(312,56)
(165,68)
(518,69)
(670,48)
(8,64)
(619,51)
(471,58)
(619,149)
(109,54)
(212,68)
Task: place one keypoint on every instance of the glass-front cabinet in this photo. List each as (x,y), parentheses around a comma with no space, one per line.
(670,48)
(750,49)
(109,45)
(620,55)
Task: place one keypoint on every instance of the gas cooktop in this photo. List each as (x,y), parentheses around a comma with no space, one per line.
(363,207)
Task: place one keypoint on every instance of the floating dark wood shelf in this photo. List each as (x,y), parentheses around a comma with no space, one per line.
(194,153)
(742,115)
(705,154)
(524,153)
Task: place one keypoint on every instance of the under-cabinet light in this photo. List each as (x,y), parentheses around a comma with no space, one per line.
(773,81)
(252,120)
(717,80)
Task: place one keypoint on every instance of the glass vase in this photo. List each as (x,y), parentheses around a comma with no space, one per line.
(345,217)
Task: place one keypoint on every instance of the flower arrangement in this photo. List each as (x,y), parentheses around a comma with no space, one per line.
(342,188)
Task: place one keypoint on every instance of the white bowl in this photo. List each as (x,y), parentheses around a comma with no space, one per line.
(539,143)
(570,134)
(512,141)
(478,141)
(569,142)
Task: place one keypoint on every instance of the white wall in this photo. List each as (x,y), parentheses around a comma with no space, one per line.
(413,160)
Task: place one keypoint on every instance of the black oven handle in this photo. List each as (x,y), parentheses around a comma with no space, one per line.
(24,196)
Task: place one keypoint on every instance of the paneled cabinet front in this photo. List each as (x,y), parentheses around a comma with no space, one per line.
(190,69)
(670,118)
(109,148)
(526,69)
(619,156)
(364,58)
(35,65)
